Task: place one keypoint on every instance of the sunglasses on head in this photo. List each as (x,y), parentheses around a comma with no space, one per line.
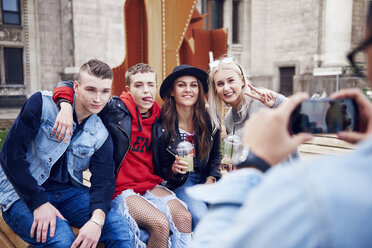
(225,60)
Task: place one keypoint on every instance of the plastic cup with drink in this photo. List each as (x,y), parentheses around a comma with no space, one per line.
(185,152)
(230,146)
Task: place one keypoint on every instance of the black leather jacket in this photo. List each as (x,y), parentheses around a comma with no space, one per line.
(118,121)
(166,155)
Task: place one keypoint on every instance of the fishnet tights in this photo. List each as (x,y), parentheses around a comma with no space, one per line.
(181,218)
(150,218)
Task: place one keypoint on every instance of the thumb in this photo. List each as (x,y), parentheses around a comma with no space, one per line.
(351,137)
(301,138)
(60,215)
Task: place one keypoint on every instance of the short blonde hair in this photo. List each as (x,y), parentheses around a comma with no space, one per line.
(140,67)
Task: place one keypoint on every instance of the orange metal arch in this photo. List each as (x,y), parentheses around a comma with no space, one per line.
(164,34)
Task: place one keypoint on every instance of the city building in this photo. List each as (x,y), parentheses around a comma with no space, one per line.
(44,41)
(292,45)
(284,45)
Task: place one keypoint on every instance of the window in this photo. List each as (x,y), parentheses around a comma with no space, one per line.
(214,8)
(217,13)
(286,80)
(11,12)
(235,21)
(13,61)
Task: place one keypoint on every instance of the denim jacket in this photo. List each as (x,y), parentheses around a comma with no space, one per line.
(45,150)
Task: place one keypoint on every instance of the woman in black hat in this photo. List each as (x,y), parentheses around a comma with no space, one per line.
(184,118)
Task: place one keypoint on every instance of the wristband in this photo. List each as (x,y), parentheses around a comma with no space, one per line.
(98,222)
(60,100)
(248,158)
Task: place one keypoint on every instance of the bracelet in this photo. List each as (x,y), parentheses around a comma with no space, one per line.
(100,224)
(61,100)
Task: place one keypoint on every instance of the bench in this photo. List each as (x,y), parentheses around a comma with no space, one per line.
(9,239)
(6,123)
(324,144)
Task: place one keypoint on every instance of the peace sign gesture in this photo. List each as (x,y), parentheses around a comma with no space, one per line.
(266,96)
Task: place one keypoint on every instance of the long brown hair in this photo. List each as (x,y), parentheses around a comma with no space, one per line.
(202,128)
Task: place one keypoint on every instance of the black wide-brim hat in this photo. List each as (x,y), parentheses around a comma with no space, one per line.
(183,70)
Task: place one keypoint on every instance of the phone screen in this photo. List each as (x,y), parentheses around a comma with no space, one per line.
(324,116)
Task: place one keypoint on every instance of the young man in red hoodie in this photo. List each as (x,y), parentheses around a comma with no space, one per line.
(138,194)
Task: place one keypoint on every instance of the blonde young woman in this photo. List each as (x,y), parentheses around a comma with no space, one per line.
(229,85)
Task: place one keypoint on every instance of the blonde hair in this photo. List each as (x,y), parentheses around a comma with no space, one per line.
(215,102)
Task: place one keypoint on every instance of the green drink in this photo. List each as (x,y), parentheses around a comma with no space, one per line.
(230,145)
(226,159)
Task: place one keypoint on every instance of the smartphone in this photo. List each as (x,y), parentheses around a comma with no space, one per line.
(324,116)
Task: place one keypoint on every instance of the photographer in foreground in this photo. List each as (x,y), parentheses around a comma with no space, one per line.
(324,202)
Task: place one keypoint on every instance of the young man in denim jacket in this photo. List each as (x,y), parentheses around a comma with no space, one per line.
(41,179)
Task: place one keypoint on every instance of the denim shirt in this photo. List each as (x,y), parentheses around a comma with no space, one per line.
(225,199)
(324,202)
(45,150)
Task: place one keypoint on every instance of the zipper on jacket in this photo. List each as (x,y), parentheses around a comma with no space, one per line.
(117,171)
(139,121)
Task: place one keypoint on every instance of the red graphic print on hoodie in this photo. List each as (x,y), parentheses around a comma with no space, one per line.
(137,169)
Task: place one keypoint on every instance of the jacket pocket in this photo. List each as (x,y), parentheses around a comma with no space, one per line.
(82,156)
(46,128)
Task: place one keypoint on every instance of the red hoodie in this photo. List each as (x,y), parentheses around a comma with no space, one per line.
(137,169)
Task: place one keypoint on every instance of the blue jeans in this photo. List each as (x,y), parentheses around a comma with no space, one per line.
(197,208)
(73,203)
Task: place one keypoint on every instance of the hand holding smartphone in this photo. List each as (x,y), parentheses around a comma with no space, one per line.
(324,116)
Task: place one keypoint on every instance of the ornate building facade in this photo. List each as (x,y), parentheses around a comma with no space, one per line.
(44,41)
